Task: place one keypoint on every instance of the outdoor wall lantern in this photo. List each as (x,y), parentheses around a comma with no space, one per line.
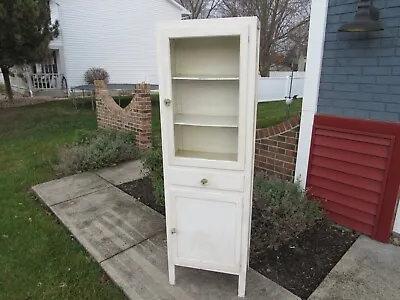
(365,20)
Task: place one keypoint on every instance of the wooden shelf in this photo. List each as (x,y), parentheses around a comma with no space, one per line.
(206,78)
(207,155)
(202,120)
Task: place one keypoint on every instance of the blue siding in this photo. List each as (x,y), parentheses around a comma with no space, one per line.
(360,75)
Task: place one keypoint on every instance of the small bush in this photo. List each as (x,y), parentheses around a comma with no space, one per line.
(96,149)
(281,211)
(153,163)
(96,74)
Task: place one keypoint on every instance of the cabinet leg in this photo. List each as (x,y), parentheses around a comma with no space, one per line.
(171,271)
(242,285)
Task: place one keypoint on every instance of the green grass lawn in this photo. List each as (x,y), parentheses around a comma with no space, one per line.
(271,113)
(38,257)
(268,114)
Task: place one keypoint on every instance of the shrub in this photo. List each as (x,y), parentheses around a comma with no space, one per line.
(96,149)
(153,164)
(123,101)
(281,211)
(96,74)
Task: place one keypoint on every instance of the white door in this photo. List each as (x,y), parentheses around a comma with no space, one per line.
(203,96)
(205,229)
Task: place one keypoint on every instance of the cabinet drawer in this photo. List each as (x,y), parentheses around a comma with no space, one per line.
(208,179)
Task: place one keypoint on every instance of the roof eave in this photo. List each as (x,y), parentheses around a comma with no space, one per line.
(184,11)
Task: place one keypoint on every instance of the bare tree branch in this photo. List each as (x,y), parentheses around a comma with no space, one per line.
(200,9)
(281,21)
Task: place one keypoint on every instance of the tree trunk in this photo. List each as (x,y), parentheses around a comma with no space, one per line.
(265,65)
(6,76)
(264,70)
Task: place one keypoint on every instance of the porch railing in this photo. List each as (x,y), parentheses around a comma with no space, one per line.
(47,81)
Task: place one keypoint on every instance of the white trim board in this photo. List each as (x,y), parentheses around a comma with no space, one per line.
(396,227)
(316,41)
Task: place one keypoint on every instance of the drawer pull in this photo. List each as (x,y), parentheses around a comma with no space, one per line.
(167,102)
(204,181)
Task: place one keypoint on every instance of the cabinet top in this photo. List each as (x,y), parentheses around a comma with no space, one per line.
(209,22)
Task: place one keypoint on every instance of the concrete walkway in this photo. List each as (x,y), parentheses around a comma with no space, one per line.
(128,239)
(368,271)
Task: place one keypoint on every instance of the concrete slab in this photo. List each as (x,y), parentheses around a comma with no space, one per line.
(109,221)
(122,173)
(128,239)
(142,273)
(71,187)
(368,271)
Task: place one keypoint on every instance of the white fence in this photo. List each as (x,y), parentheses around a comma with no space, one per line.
(277,88)
(46,81)
(286,73)
(270,88)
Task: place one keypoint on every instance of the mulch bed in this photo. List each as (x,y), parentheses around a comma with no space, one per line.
(142,190)
(300,265)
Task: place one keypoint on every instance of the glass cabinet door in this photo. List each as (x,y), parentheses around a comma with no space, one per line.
(206,110)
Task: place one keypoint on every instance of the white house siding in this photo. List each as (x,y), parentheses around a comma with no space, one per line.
(117,35)
(55,15)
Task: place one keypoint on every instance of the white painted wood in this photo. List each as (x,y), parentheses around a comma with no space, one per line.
(316,41)
(208,76)
(206,120)
(214,98)
(198,56)
(396,227)
(204,235)
(164,75)
(211,156)
(216,179)
(206,139)
(181,97)
(253,73)
(118,35)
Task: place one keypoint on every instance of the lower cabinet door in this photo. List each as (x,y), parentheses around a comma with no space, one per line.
(205,229)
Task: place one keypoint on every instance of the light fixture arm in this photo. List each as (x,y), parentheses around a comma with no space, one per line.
(366,19)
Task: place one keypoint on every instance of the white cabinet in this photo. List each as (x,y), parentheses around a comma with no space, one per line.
(207,75)
(203,237)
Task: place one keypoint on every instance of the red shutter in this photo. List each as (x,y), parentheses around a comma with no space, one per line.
(351,162)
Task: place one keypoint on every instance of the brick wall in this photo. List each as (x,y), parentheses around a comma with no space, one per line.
(276,149)
(361,71)
(134,117)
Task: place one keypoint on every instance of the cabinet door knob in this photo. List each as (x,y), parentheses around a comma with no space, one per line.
(204,181)
(167,102)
